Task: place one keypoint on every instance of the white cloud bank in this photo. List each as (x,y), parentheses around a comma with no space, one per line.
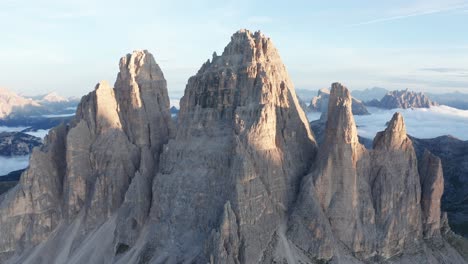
(9,164)
(420,122)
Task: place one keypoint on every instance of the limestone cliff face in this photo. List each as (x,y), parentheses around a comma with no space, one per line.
(242,140)
(240,179)
(85,168)
(396,189)
(432,183)
(340,176)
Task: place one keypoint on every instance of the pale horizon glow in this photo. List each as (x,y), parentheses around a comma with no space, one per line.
(69,46)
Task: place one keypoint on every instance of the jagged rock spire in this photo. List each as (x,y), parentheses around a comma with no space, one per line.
(396,189)
(242,137)
(394,136)
(339,181)
(141,92)
(340,123)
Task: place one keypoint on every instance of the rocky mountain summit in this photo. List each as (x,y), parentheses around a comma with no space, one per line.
(403,99)
(320,104)
(238,178)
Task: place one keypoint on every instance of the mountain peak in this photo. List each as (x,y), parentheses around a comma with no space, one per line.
(53,97)
(405,99)
(394,136)
(246,46)
(142,96)
(139,66)
(397,124)
(340,123)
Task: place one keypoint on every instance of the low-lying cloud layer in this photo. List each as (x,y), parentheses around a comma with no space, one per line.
(9,164)
(420,122)
(40,133)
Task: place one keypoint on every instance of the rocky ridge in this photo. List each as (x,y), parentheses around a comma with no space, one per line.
(403,99)
(17,143)
(241,179)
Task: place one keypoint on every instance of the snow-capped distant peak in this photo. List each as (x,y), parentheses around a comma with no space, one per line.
(53,97)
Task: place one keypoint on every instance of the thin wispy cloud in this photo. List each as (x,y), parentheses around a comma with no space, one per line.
(444,70)
(415,14)
(457,72)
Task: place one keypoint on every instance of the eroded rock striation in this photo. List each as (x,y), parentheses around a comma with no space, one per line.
(238,179)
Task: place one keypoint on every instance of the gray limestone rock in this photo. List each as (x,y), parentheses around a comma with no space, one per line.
(85,169)
(396,189)
(239,180)
(432,183)
(242,137)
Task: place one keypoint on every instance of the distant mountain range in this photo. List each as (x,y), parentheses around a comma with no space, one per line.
(403,99)
(13,105)
(454,99)
(17,143)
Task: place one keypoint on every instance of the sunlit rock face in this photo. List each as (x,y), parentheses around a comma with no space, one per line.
(238,179)
(340,175)
(368,200)
(396,189)
(242,141)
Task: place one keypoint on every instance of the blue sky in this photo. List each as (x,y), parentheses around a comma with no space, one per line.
(68,46)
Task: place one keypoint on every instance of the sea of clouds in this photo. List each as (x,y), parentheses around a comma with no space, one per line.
(9,164)
(420,122)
